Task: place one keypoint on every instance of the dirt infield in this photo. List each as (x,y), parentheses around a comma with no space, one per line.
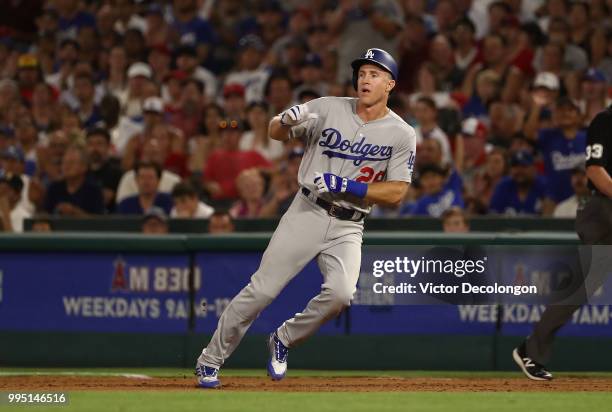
(309,384)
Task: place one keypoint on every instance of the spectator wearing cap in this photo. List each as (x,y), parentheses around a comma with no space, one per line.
(562,147)
(360,26)
(283,185)
(470,153)
(523,192)
(28,75)
(311,76)
(593,94)
(256,138)
(439,192)
(153,115)
(543,96)
(103,169)
(234,103)
(249,70)
(187,205)
(225,163)
(154,150)
(74,195)
(569,207)
(12,212)
(426,115)
(139,74)
(251,189)
(188,63)
(148,177)
(72,18)
(155,222)
(191,29)
(12,162)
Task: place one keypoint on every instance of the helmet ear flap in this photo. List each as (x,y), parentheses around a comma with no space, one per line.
(355,79)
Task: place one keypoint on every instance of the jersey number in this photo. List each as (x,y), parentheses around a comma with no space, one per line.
(368,175)
(594,151)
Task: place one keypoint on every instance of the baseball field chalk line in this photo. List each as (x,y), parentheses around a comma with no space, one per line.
(69,373)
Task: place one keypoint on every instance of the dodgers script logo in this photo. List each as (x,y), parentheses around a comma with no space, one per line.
(357,152)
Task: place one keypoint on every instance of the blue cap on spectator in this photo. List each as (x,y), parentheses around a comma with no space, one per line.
(594,75)
(13,152)
(521,158)
(251,40)
(312,59)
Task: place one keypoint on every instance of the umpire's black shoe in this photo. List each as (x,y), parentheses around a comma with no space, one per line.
(532,369)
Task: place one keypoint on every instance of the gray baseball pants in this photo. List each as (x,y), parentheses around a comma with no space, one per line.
(306,231)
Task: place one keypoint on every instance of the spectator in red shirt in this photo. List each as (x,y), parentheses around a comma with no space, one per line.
(225,163)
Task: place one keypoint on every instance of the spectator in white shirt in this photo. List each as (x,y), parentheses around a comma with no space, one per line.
(187,205)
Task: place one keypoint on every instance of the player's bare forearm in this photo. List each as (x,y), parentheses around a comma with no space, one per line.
(601,179)
(387,193)
(277,131)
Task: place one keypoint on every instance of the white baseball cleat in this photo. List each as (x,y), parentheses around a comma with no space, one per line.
(277,366)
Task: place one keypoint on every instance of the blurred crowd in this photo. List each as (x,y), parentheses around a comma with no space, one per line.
(159,108)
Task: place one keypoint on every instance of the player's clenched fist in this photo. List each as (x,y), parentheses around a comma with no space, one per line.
(296,114)
(331,183)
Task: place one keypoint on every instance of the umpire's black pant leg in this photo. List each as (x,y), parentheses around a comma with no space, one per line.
(594,227)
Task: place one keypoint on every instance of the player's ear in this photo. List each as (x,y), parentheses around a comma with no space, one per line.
(390,85)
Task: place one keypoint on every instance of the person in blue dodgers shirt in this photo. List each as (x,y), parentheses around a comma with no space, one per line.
(439,191)
(523,192)
(562,149)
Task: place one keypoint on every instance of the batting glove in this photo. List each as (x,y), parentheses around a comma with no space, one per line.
(331,183)
(296,114)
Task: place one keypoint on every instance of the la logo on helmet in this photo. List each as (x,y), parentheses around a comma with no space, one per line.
(369,54)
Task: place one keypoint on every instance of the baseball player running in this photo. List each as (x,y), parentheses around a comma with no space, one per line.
(357,152)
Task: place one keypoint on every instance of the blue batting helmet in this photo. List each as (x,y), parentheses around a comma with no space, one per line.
(380,58)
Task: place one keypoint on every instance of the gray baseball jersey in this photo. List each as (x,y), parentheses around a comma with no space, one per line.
(339,142)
